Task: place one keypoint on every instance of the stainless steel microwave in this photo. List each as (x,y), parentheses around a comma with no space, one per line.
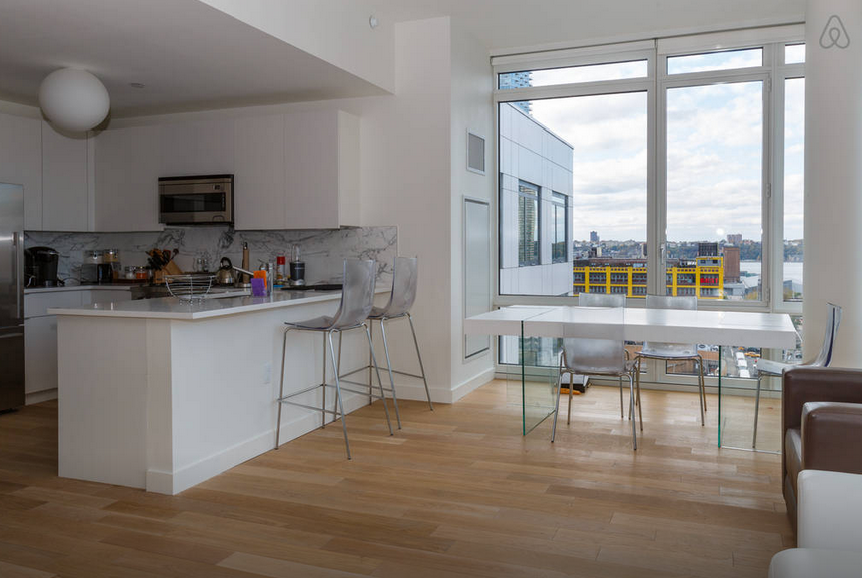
(196,200)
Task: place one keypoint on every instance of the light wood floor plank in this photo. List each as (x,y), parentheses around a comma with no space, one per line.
(458,492)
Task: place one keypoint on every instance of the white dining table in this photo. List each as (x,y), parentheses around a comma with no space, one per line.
(721,328)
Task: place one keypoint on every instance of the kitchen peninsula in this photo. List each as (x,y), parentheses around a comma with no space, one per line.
(162,394)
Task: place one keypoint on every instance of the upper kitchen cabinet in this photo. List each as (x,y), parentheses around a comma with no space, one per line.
(321,162)
(197,148)
(259,172)
(21,162)
(127,176)
(65,192)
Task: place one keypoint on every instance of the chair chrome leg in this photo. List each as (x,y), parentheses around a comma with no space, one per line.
(571,396)
(632,410)
(389,369)
(622,415)
(281,386)
(702,387)
(323,386)
(338,392)
(638,402)
(419,357)
(379,381)
(756,411)
(371,333)
(557,411)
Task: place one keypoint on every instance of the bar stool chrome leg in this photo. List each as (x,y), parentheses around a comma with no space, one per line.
(338,392)
(322,383)
(371,334)
(419,356)
(379,381)
(281,387)
(389,369)
(557,410)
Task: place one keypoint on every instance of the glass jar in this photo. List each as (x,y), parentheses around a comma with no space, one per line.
(129,273)
(142,273)
(112,258)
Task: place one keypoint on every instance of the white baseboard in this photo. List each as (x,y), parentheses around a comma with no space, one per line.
(172,483)
(40,396)
(471,384)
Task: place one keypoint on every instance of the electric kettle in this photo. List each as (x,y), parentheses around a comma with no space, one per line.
(225,275)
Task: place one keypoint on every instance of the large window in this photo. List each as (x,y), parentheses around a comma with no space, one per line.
(528,224)
(559,223)
(681,167)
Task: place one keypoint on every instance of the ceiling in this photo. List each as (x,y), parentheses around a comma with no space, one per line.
(191,56)
(188,55)
(510,24)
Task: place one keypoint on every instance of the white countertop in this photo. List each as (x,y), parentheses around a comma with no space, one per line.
(117,287)
(172,308)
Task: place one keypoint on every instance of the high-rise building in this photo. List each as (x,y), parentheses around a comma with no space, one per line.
(594,237)
(735,239)
(731,263)
(518,80)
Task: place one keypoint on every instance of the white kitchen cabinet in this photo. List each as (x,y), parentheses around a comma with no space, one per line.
(40,331)
(127,175)
(21,162)
(65,193)
(321,162)
(40,354)
(197,148)
(259,175)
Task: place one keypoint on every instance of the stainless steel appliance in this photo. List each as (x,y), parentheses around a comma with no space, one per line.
(41,267)
(196,200)
(11,296)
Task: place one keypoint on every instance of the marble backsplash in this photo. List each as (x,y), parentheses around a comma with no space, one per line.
(322,250)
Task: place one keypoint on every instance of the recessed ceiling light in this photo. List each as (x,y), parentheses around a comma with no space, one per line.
(136,85)
(372,21)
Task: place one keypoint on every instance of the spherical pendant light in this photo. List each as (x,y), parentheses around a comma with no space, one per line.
(73,99)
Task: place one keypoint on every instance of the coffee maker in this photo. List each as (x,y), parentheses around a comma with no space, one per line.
(40,265)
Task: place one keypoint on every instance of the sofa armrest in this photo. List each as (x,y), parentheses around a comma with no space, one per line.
(804,384)
(830,510)
(832,437)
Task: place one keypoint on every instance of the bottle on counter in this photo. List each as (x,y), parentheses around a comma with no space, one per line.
(280,273)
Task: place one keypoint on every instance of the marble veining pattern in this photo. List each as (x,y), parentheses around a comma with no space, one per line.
(322,250)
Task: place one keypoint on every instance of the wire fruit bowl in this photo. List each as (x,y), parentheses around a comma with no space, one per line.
(189,287)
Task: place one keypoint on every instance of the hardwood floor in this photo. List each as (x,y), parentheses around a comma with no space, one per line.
(459,492)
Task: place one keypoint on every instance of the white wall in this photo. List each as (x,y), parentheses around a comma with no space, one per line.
(833,180)
(336,31)
(472,110)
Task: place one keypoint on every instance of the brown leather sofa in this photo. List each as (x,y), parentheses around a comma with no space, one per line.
(822,424)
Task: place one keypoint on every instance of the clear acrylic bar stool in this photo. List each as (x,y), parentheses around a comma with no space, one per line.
(404,283)
(357,300)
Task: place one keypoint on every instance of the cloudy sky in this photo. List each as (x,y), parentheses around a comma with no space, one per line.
(714,148)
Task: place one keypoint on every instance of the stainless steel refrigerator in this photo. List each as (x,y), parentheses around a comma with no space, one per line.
(11,296)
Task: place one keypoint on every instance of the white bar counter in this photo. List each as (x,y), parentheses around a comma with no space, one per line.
(162,395)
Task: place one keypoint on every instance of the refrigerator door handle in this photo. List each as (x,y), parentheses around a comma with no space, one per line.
(18,276)
(11,335)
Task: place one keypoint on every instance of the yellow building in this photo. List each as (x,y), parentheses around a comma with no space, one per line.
(704,278)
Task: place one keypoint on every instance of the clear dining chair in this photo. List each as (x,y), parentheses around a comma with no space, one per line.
(671,351)
(357,300)
(599,300)
(604,357)
(769,368)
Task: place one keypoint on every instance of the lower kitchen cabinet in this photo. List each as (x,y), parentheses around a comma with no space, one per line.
(40,334)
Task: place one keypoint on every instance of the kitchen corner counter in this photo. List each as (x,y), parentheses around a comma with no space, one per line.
(162,395)
(214,306)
